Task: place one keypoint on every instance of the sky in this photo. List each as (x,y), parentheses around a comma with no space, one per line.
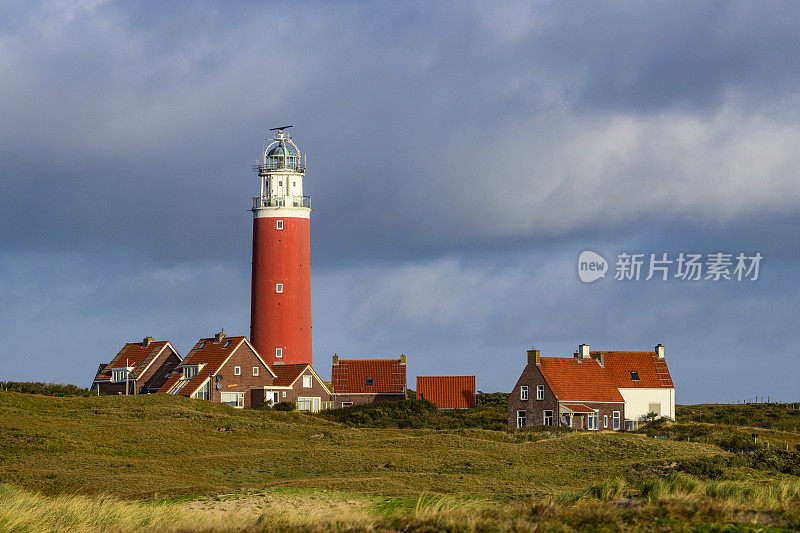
(461,156)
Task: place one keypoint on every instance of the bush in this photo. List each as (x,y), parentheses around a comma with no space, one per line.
(707,467)
(45,389)
(285,406)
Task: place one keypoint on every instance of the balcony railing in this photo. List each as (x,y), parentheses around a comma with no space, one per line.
(281,201)
(273,164)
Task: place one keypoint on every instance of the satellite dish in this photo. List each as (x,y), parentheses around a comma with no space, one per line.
(219,387)
(219,377)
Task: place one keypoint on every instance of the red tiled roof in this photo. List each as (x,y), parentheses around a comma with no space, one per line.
(212,355)
(133,354)
(350,376)
(652,371)
(577,408)
(287,374)
(584,381)
(447,392)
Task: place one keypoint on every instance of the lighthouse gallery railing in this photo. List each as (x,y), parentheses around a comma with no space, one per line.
(281,201)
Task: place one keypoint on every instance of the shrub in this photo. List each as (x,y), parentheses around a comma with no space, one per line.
(285,406)
(46,389)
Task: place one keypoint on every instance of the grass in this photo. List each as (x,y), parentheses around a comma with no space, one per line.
(162,463)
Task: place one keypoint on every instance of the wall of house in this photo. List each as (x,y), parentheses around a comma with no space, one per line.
(246,359)
(158,373)
(317,390)
(360,399)
(117,388)
(637,402)
(580,421)
(534,409)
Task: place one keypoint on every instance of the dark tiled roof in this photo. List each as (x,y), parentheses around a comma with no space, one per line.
(574,381)
(133,354)
(652,371)
(447,392)
(371,376)
(287,374)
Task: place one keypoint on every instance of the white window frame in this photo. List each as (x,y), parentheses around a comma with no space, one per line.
(255,371)
(279,288)
(279,352)
(307,384)
(523,392)
(540,392)
(544,417)
(227,343)
(239,399)
(237,371)
(347,404)
(279,224)
(522,415)
(605,421)
(592,421)
(284,394)
(309,403)
(616,417)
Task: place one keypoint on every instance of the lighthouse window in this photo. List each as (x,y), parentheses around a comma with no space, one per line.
(294,184)
(279,224)
(280,184)
(279,287)
(278,352)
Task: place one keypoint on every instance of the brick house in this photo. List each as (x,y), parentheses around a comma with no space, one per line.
(447,392)
(221,369)
(294,383)
(575,392)
(138,368)
(644,381)
(360,381)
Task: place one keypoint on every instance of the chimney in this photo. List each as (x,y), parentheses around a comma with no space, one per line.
(146,341)
(335,360)
(660,351)
(583,351)
(402,358)
(534,357)
(219,336)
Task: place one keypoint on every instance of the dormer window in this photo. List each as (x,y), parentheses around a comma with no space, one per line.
(635,375)
(369,382)
(202,345)
(120,374)
(190,371)
(227,343)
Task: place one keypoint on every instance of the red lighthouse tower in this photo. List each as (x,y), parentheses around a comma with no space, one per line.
(280,307)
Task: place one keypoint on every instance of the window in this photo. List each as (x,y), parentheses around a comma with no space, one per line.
(284,394)
(202,345)
(523,392)
(521,419)
(227,343)
(278,352)
(308,404)
(255,370)
(548,418)
(190,371)
(204,392)
(540,392)
(654,408)
(634,375)
(615,419)
(119,374)
(294,184)
(605,421)
(279,287)
(347,404)
(592,421)
(279,224)
(237,371)
(369,382)
(307,382)
(280,184)
(234,399)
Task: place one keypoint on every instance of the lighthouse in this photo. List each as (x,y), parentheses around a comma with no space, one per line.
(280,306)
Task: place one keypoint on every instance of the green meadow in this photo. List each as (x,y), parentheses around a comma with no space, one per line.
(168,463)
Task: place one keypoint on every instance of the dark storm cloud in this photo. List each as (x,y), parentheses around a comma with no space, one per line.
(466,150)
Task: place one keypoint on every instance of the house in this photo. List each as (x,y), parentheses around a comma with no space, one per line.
(447,392)
(644,381)
(574,391)
(221,369)
(138,368)
(294,383)
(360,381)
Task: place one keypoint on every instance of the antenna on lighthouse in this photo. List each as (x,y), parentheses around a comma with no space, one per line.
(282,128)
